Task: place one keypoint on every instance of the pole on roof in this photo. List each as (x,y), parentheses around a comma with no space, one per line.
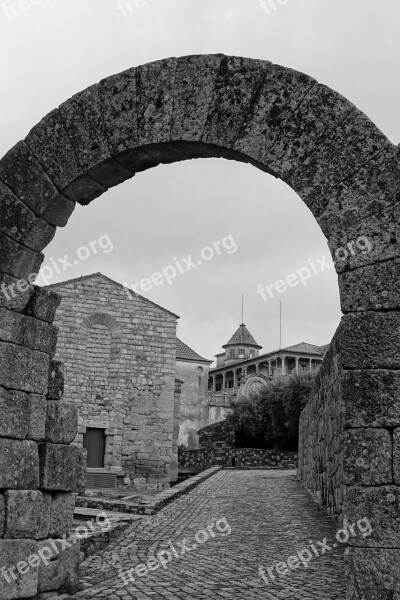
(280,325)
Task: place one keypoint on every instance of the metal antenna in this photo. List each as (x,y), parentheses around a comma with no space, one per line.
(242,310)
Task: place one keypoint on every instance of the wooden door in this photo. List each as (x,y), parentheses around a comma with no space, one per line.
(94,441)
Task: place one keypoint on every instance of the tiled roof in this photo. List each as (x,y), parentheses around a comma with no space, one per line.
(306,348)
(242,337)
(183,352)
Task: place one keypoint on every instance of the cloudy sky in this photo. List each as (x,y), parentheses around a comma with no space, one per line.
(51,49)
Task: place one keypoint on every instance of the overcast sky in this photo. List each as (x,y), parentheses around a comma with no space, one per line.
(55,48)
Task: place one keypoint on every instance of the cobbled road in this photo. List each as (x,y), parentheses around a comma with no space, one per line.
(270,517)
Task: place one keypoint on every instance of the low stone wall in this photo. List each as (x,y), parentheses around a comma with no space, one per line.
(245,458)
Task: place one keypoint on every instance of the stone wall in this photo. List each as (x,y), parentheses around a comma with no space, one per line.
(245,458)
(39,470)
(219,435)
(321,437)
(119,355)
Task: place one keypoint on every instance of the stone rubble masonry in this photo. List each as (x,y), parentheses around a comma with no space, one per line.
(240,458)
(119,351)
(286,124)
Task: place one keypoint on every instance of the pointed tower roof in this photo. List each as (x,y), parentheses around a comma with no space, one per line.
(242,337)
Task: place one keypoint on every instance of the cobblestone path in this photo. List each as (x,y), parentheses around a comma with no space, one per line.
(271,518)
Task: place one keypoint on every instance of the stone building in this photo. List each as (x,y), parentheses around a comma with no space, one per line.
(192,370)
(119,352)
(241,369)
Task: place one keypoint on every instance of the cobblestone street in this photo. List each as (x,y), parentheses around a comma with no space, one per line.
(271,518)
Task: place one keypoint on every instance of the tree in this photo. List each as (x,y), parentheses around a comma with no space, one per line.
(270,417)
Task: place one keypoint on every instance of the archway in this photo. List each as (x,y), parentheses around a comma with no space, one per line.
(288,125)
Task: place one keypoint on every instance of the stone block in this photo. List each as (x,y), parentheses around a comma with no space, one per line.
(18,261)
(56,380)
(370,340)
(23,369)
(49,141)
(2,515)
(374,187)
(18,222)
(43,304)
(61,422)
(371,398)
(193,94)
(84,122)
(367,457)
(82,471)
(372,574)
(58,467)
(62,514)
(37,417)
(373,287)
(28,514)
(24,175)
(117,96)
(337,157)
(28,332)
(154,100)
(381,506)
(61,573)
(235,90)
(276,101)
(380,228)
(396,456)
(19,464)
(15,414)
(14,293)
(14,555)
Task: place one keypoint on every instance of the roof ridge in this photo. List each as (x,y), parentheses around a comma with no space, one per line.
(98,273)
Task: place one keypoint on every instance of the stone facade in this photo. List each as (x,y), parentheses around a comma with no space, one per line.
(281,121)
(118,351)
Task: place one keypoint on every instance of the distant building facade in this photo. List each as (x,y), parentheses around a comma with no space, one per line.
(241,369)
(119,352)
(192,369)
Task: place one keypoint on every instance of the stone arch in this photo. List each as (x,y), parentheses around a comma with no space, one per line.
(102,319)
(252,380)
(114,330)
(292,127)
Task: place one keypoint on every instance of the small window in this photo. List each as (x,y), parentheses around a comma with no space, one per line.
(251,353)
(241,352)
(231,354)
(199,370)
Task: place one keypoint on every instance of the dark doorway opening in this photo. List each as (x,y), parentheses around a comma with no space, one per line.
(94,441)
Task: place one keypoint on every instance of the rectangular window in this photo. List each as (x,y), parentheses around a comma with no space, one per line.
(231,354)
(241,352)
